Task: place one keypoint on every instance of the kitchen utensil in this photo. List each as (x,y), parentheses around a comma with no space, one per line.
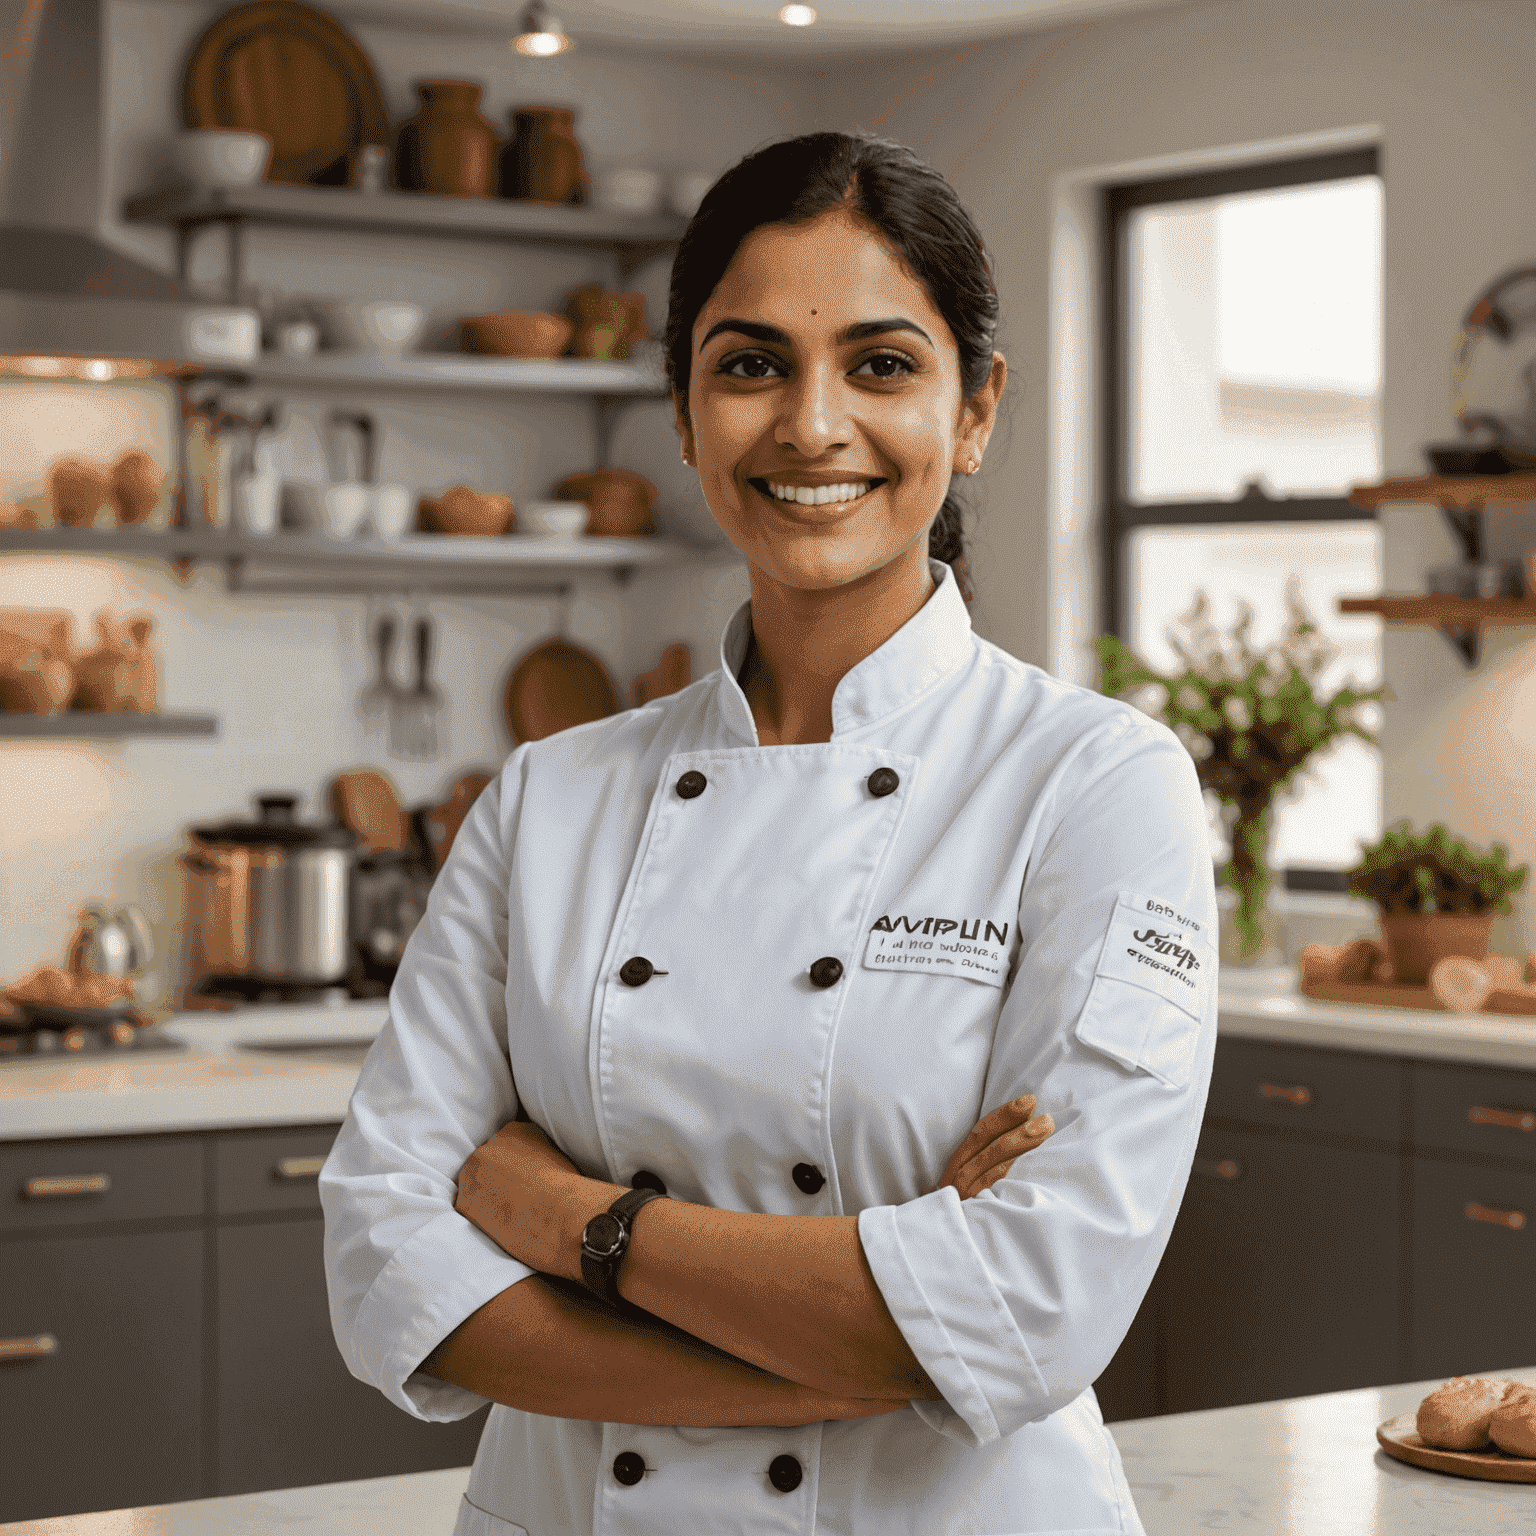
(1399,1438)
(543,161)
(554,686)
(136,485)
(419,707)
(107,943)
(256,503)
(387,326)
(222,157)
(686,189)
(268,899)
(622,503)
(290,71)
(376,700)
(607,324)
(449,146)
(669,674)
(461,510)
(516,333)
(553,519)
(439,824)
(367,802)
(77,491)
(628,189)
(390,510)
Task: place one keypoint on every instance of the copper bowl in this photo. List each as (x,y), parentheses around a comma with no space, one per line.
(516,333)
(464,511)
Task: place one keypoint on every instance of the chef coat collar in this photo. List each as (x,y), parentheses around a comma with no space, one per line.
(930,645)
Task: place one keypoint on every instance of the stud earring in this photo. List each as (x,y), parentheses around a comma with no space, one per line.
(972,467)
(686,459)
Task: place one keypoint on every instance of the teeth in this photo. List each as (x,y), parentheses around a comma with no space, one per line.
(819,495)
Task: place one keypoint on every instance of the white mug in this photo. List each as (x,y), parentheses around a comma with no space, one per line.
(390,510)
(256,503)
(343,508)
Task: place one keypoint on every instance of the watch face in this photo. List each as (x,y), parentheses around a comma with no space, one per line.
(603,1236)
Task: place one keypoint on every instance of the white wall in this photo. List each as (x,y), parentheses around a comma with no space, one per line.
(83,820)
(1024,129)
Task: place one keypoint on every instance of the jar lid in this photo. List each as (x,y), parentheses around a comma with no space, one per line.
(277,828)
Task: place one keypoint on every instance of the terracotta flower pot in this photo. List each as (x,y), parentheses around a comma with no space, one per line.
(464,511)
(515,333)
(1415,941)
(543,161)
(621,503)
(449,146)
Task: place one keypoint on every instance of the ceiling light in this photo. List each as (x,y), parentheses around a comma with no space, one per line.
(542,33)
(797,15)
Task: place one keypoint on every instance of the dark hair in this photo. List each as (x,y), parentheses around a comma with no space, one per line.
(906,201)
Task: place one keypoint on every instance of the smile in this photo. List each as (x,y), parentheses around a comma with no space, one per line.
(815,495)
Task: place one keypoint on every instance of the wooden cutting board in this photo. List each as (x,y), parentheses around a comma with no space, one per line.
(287,70)
(1399,1438)
(557,685)
(1395,995)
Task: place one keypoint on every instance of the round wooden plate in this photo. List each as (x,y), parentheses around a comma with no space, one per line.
(1399,1437)
(287,70)
(555,686)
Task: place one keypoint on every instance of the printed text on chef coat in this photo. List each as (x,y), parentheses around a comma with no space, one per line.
(973,947)
(1152,944)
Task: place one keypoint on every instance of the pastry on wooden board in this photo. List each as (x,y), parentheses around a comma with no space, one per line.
(1458,1416)
(1512,1426)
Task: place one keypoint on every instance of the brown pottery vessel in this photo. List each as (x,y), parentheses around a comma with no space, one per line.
(621,503)
(461,510)
(77,490)
(137,482)
(449,146)
(516,333)
(1416,941)
(543,161)
(607,324)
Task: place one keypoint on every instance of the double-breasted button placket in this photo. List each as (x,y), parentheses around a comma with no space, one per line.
(784,1473)
(637,971)
(628,1468)
(645,1179)
(826,972)
(807,1177)
(882,782)
(692,785)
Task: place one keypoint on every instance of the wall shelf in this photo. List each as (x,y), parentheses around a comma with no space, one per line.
(1460,619)
(1453,493)
(458,372)
(82,723)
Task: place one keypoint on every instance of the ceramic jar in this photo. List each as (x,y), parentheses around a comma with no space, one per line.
(621,503)
(449,146)
(544,161)
(607,324)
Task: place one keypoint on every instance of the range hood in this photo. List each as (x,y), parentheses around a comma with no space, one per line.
(69,302)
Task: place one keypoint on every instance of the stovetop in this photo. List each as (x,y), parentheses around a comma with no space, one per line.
(118,1038)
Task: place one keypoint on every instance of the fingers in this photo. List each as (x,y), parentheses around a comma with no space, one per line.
(992,1162)
(1004,1118)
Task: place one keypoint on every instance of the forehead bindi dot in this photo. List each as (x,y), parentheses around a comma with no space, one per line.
(813,311)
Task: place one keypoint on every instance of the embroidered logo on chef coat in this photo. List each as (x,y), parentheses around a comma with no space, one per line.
(973,947)
(1153,944)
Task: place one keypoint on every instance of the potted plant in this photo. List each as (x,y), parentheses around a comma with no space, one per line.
(1251,717)
(1437,895)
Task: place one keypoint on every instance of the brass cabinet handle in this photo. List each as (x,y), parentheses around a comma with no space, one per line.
(1210,1168)
(64,1186)
(1299,1096)
(35,1347)
(1510,1119)
(1514,1220)
(299,1168)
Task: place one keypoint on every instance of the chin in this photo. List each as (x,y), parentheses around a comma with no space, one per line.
(820,564)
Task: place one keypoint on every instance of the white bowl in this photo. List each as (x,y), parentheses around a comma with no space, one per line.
(628,189)
(371,325)
(222,157)
(553,519)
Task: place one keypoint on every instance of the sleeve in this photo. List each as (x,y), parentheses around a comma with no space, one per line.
(403,1268)
(1014,1301)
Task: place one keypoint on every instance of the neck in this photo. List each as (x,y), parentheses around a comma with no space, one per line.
(805,642)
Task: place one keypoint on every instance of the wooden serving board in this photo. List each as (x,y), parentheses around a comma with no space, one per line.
(1399,1438)
(1393,995)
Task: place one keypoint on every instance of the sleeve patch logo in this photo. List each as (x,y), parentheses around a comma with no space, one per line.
(1157,947)
(973,947)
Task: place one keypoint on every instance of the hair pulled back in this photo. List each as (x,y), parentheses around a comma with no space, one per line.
(903,199)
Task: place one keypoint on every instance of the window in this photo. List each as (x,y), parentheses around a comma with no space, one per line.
(1243,400)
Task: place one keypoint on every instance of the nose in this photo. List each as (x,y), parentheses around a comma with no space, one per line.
(814,419)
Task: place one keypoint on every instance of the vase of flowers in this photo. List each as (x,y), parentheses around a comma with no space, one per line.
(1251,716)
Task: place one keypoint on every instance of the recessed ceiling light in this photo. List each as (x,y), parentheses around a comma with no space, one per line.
(797,15)
(541,33)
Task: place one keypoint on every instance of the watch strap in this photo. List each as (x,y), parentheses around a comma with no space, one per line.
(602,1274)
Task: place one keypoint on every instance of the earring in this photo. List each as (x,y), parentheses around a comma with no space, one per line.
(686,459)
(972,467)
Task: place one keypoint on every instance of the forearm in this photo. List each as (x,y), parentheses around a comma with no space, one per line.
(545,1346)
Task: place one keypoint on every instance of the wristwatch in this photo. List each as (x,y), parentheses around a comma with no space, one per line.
(605,1241)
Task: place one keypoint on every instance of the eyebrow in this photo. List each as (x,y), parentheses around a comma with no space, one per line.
(771,333)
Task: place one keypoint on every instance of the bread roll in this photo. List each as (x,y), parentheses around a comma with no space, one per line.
(1512,1425)
(1455,1417)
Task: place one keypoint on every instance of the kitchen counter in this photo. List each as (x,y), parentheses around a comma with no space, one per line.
(1293,1468)
(221,1084)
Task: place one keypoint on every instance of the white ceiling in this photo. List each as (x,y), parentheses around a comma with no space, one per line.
(753,27)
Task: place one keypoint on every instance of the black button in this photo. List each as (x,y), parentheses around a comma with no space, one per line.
(629,1467)
(784,1473)
(883,781)
(645,1179)
(826,972)
(636,972)
(807,1177)
(692,784)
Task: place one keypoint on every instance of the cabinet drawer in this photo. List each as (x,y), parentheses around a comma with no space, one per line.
(1474,1109)
(270,1170)
(1288,1087)
(1474,1253)
(132,1178)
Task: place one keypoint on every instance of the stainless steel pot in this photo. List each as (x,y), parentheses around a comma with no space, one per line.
(269,899)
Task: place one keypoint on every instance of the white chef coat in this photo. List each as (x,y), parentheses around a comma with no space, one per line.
(1029,910)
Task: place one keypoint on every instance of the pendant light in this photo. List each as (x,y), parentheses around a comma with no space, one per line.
(542,34)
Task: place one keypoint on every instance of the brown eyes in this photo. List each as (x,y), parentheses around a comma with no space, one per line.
(762,365)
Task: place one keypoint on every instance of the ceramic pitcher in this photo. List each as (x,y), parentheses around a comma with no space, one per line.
(544,161)
(449,146)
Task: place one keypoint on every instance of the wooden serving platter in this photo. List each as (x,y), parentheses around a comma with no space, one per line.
(1399,1438)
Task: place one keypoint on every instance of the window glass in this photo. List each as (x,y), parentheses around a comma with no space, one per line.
(1337,800)
(1253,345)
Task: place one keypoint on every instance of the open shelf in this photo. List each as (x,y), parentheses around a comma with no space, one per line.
(1460,612)
(83,723)
(1454,493)
(457,371)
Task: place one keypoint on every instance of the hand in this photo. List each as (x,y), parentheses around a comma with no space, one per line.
(988,1152)
(519,1189)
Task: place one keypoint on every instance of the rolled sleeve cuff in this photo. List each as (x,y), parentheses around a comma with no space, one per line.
(445,1273)
(953,1317)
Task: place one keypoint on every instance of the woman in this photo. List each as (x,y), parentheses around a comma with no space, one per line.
(770,945)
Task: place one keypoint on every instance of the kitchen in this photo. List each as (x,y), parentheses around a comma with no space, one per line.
(1029,126)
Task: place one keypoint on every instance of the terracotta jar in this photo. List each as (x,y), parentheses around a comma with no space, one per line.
(543,161)
(621,503)
(449,146)
(607,324)
(1416,941)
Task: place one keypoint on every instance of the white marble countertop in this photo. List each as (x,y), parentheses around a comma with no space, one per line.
(1309,1466)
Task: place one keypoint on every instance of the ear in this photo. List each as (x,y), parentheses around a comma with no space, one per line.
(979,415)
(684,425)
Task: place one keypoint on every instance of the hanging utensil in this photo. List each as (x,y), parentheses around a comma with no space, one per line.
(376,700)
(421,705)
